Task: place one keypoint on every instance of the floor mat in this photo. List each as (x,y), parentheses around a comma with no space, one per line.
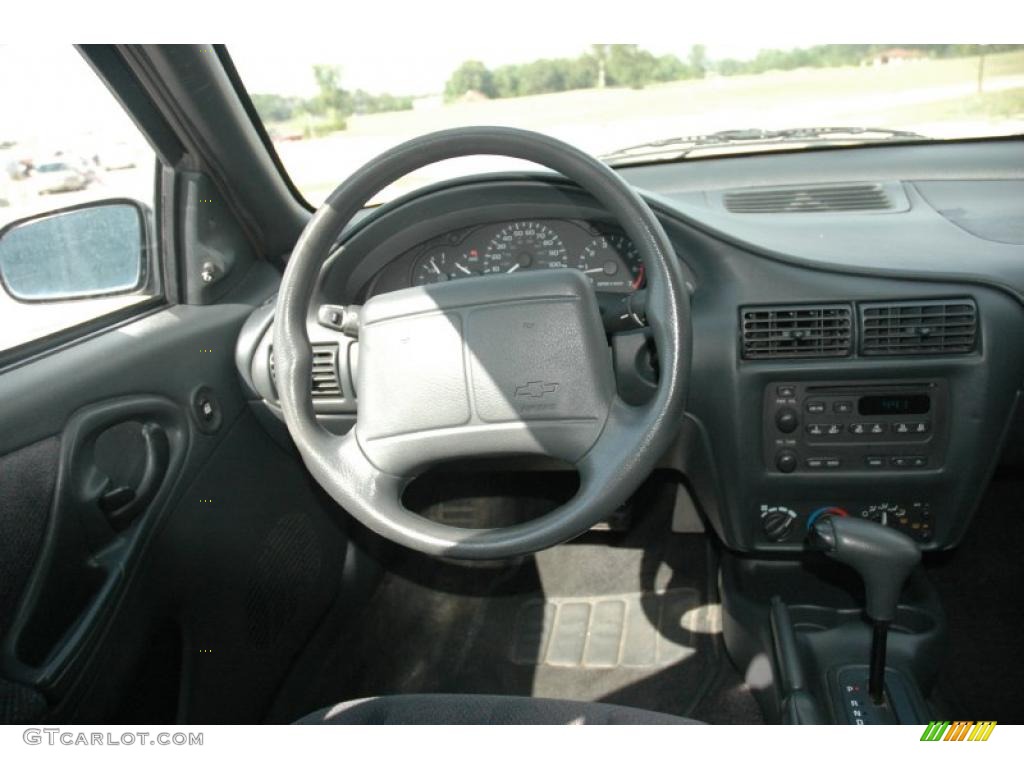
(621,618)
(634,631)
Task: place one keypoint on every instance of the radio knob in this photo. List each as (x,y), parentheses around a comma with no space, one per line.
(786,420)
(785,461)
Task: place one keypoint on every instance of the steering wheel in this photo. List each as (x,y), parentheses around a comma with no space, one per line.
(497,365)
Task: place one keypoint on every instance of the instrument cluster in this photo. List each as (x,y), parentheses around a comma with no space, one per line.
(604,253)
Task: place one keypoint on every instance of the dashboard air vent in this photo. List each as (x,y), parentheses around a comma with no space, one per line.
(816,199)
(800,331)
(325,370)
(947,327)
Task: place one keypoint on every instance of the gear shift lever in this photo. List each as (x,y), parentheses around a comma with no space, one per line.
(884,559)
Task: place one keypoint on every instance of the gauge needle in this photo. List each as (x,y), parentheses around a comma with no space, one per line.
(437,270)
(463,269)
(513,269)
(593,271)
(639,278)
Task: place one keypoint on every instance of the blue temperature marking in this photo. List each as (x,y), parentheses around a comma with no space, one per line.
(839,511)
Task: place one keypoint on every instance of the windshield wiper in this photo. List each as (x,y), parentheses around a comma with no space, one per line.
(680,146)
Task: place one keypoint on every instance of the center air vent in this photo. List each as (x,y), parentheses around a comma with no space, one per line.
(947,327)
(325,370)
(815,199)
(800,331)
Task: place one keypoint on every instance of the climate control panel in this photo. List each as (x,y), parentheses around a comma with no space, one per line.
(789,523)
(879,426)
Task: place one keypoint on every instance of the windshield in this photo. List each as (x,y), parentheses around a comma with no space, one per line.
(327,114)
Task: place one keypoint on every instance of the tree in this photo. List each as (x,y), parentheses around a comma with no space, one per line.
(543,76)
(630,65)
(698,60)
(331,97)
(506,81)
(273,107)
(584,72)
(600,53)
(669,68)
(470,76)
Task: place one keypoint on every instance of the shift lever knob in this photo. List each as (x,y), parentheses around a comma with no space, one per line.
(883,557)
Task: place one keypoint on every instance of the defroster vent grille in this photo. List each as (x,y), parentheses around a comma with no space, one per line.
(816,199)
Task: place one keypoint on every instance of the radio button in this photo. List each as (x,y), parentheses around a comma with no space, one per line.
(815,406)
(786,390)
(816,430)
(867,428)
(874,462)
(911,427)
(842,406)
(818,462)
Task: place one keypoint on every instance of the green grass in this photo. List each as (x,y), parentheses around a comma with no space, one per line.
(1008,104)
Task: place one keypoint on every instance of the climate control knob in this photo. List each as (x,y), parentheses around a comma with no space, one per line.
(777,523)
(785,461)
(786,420)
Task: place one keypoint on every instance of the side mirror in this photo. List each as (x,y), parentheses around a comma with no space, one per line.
(82,252)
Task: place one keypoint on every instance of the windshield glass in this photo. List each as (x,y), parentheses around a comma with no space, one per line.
(327,114)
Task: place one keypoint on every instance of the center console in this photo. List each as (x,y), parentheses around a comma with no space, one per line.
(836,454)
(857,432)
(799,632)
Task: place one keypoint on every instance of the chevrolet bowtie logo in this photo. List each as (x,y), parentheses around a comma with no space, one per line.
(536,388)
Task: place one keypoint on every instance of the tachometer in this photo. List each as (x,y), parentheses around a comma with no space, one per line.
(441,264)
(613,263)
(525,245)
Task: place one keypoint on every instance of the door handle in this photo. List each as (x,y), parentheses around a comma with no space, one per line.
(92,542)
(122,505)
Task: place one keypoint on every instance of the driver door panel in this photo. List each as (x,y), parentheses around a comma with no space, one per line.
(140,543)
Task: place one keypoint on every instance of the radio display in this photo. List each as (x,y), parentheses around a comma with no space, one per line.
(893,405)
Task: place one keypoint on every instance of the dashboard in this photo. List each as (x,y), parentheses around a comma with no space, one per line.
(859,362)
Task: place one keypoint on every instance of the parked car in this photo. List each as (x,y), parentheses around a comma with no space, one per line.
(58,176)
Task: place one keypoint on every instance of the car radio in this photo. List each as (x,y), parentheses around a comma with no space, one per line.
(880,426)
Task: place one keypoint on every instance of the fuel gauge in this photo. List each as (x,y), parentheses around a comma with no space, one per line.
(441,264)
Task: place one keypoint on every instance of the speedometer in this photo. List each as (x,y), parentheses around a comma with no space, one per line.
(612,263)
(525,245)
